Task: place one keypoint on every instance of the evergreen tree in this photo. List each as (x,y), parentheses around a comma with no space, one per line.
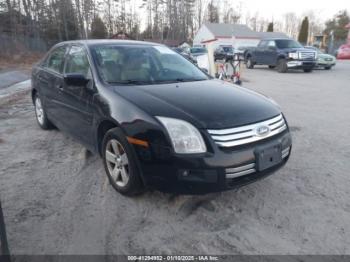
(270,27)
(98,29)
(337,25)
(304,31)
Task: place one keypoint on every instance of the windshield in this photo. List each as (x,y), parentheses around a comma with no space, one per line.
(132,65)
(228,49)
(288,44)
(198,50)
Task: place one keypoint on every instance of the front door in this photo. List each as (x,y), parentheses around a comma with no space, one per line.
(77,100)
(271,53)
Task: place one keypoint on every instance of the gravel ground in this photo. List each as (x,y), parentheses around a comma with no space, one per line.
(57,199)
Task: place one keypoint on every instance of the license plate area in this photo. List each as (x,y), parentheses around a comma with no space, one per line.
(268,156)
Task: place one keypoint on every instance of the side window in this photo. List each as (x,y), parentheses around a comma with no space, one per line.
(77,62)
(55,59)
(262,44)
(271,43)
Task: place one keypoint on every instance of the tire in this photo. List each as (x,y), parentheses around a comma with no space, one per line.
(41,116)
(328,67)
(249,63)
(120,163)
(272,66)
(308,70)
(282,65)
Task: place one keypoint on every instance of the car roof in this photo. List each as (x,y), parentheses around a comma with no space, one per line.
(91,42)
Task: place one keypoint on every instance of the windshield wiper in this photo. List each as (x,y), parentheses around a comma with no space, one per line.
(130,82)
(180,80)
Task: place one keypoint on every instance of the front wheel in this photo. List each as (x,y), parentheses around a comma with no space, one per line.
(40,113)
(327,67)
(282,65)
(120,163)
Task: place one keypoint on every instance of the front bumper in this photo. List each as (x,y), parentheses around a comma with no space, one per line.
(325,63)
(219,170)
(299,64)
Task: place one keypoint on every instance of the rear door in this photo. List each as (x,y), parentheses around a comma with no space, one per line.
(50,80)
(77,100)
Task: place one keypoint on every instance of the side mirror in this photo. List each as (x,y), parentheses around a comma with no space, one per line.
(76,79)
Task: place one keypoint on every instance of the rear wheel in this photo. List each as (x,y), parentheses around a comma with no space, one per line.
(249,63)
(40,113)
(282,65)
(120,163)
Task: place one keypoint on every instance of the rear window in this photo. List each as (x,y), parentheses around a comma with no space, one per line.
(228,49)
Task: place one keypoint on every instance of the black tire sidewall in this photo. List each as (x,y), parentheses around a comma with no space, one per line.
(134,185)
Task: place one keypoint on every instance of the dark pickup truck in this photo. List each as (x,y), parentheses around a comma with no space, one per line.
(283,54)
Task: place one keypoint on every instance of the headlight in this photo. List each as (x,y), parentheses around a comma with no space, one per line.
(185,138)
(293,55)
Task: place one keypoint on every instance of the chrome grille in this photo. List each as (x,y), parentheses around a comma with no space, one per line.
(240,171)
(249,133)
(307,55)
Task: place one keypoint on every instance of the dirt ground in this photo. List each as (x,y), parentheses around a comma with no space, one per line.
(57,200)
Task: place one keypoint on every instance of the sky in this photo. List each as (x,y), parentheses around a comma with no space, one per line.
(324,9)
(274,9)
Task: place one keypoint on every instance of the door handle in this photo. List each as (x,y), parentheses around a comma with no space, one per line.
(59,86)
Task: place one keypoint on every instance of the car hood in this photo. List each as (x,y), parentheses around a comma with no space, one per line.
(291,50)
(323,56)
(206,104)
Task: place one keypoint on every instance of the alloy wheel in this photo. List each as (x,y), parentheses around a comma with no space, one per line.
(39,111)
(117,162)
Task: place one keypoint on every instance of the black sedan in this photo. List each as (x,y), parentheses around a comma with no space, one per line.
(224,53)
(156,119)
(184,54)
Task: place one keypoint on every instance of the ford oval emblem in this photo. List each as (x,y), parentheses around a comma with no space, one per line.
(262,130)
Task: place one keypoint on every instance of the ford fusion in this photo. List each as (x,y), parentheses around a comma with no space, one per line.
(156,119)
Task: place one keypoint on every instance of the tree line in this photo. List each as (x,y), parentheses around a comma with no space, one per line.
(59,20)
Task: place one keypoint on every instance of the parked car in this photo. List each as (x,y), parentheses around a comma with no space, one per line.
(184,54)
(223,53)
(240,51)
(281,53)
(156,119)
(324,60)
(197,51)
(344,52)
